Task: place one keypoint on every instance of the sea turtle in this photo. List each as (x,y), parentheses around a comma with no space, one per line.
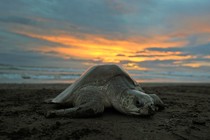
(104,86)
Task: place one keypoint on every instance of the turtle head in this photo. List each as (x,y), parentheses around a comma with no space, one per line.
(134,102)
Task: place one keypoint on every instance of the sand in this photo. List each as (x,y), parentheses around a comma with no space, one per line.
(186,117)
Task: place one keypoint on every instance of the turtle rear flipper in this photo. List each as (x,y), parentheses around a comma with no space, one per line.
(48,101)
(85,110)
(84,106)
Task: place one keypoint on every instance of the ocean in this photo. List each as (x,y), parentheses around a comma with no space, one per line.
(30,74)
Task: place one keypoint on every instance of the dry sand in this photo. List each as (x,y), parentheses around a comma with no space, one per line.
(186,117)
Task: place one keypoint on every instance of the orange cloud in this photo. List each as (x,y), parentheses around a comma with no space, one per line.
(107,50)
(196,64)
(133,66)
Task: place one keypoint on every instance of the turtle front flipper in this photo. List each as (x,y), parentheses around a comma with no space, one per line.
(159,105)
(89,103)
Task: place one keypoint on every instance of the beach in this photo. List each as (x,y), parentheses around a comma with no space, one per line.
(187,115)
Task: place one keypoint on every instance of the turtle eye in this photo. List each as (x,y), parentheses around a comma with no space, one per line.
(139,104)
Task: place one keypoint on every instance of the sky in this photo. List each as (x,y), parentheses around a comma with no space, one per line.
(139,35)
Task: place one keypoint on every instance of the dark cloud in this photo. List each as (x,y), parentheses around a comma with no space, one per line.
(200,56)
(125,62)
(95,16)
(174,49)
(154,55)
(203,49)
(33,58)
(18,20)
(197,59)
(91,14)
(14,41)
(120,55)
(153,52)
(138,16)
(157,64)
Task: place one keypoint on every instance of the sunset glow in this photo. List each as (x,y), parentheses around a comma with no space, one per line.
(109,51)
(156,36)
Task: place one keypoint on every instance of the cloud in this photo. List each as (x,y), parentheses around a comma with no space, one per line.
(120,55)
(105,16)
(91,46)
(43,59)
(11,41)
(202,49)
(139,35)
(173,49)
(18,20)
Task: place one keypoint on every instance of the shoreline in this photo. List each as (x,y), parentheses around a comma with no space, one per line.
(62,85)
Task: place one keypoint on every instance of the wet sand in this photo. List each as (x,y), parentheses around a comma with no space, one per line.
(186,117)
